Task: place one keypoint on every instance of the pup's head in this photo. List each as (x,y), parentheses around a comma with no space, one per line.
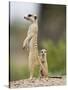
(31,17)
(43,52)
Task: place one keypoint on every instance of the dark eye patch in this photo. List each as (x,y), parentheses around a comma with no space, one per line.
(29,15)
(41,51)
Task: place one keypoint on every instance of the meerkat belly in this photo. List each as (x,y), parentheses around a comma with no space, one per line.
(33,47)
(33,42)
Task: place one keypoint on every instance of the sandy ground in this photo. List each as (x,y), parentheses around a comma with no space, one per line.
(38,82)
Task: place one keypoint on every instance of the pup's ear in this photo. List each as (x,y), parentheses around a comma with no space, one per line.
(35,17)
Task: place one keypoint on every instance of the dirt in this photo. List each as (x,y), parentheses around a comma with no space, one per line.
(38,82)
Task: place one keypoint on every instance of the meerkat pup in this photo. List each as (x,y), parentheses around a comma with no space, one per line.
(43,64)
(31,42)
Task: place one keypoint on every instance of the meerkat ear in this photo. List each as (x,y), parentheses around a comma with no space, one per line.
(35,17)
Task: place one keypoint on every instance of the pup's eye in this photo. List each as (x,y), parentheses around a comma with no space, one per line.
(41,51)
(29,15)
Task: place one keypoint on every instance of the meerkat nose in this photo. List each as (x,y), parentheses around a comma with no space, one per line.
(24,17)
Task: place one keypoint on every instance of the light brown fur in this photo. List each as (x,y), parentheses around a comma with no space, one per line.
(30,42)
(43,64)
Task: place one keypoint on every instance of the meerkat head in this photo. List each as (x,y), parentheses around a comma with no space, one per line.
(43,52)
(31,17)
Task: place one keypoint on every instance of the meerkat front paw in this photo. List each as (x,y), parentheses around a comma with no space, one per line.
(23,47)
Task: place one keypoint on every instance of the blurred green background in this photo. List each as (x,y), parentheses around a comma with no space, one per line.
(51,35)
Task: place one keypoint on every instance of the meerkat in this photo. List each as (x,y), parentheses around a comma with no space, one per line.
(31,42)
(43,64)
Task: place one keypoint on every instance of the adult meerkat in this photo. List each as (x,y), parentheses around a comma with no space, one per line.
(30,42)
(43,64)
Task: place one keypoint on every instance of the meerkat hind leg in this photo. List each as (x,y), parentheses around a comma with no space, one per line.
(31,73)
(31,69)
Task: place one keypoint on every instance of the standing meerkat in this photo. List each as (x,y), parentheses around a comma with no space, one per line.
(30,42)
(43,64)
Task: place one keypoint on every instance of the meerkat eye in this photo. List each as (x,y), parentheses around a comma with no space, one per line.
(41,51)
(29,15)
